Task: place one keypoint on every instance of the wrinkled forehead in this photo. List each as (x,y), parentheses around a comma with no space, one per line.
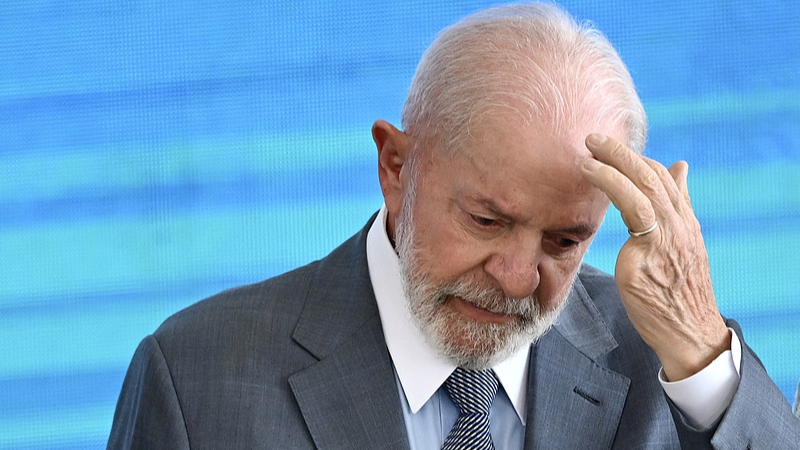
(550,138)
(531,172)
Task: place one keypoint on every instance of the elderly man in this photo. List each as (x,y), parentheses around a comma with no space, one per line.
(461,316)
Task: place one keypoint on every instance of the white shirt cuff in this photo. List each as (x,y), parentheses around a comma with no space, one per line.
(704,397)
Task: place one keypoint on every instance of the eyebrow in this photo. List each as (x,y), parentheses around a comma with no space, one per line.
(493,208)
(581,230)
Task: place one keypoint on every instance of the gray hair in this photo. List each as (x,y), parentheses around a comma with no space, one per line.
(533,60)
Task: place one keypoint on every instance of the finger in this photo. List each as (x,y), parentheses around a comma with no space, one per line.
(680,173)
(674,193)
(636,209)
(633,167)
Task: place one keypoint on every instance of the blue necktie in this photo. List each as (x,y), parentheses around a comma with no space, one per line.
(473,392)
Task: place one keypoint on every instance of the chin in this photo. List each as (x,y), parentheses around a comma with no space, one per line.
(480,345)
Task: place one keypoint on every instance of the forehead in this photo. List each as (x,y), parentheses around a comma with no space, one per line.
(536,143)
(523,170)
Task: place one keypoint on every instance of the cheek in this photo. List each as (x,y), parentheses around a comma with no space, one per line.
(444,252)
(556,279)
(447,257)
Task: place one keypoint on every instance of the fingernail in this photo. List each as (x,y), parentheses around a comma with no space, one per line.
(591,164)
(596,139)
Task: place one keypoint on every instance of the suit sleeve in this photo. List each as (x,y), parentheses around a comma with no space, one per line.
(148,414)
(759,416)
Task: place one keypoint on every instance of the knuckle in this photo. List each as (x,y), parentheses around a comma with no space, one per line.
(651,180)
(618,150)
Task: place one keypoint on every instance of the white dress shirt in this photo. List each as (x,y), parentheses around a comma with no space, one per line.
(421,371)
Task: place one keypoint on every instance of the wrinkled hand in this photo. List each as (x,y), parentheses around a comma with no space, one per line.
(663,276)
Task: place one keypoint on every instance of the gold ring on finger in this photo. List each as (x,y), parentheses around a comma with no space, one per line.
(649,230)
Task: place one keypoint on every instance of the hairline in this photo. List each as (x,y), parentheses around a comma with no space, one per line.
(521,27)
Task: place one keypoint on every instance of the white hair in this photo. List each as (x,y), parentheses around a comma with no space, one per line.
(532,60)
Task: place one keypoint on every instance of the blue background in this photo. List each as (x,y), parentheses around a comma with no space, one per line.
(155,152)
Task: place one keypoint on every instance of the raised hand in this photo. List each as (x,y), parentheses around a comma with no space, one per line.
(662,271)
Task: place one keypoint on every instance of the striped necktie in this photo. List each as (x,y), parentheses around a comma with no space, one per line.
(473,392)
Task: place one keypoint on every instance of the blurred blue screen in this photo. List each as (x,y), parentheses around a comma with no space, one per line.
(155,152)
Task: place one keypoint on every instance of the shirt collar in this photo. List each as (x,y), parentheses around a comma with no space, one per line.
(419,367)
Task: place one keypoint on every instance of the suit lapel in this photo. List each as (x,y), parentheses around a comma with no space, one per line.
(349,399)
(574,402)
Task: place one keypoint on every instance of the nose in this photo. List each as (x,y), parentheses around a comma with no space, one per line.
(516,268)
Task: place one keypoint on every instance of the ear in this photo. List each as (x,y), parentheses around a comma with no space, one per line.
(392,145)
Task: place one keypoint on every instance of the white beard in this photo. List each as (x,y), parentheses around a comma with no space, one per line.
(467,343)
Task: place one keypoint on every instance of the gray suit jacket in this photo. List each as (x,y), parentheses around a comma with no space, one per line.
(300,362)
(797,402)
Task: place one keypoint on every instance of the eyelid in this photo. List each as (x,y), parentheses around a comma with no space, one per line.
(478,218)
(559,238)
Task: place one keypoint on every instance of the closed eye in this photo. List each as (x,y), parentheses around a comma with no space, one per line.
(566,243)
(485,222)
(562,245)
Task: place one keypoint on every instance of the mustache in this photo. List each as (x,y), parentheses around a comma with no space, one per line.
(491,299)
